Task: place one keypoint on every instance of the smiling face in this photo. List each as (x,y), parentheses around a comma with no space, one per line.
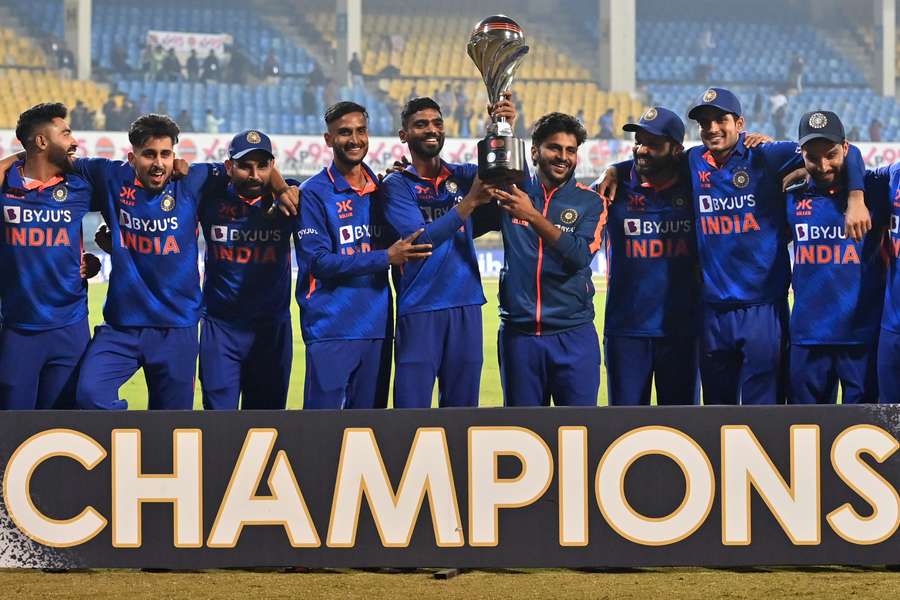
(654,154)
(153,162)
(424,133)
(719,130)
(348,138)
(55,139)
(556,157)
(824,160)
(251,173)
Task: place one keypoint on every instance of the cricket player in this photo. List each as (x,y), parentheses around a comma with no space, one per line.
(838,282)
(245,333)
(889,337)
(742,245)
(43,292)
(651,326)
(154,301)
(439,330)
(342,287)
(551,226)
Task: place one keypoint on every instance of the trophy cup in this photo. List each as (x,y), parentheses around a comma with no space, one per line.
(497,47)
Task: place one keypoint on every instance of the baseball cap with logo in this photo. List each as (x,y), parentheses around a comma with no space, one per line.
(659,121)
(719,98)
(248,141)
(820,124)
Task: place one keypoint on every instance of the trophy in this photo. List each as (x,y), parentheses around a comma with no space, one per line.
(497,47)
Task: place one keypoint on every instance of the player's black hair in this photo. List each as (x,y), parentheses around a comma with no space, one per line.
(555,122)
(152,126)
(415,105)
(34,117)
(339,109)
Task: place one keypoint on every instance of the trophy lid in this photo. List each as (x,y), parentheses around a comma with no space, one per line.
(497,47)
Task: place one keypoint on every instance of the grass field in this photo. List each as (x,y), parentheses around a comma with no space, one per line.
(135,390)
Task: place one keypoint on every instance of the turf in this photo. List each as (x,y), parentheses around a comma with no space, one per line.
(135,390)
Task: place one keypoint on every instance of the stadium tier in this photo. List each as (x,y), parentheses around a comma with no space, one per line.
(21,88)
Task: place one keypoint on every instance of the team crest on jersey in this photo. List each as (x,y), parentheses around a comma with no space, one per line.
(167,203)
(709,95)
(568,216)
(650,114)
(741,179)
(60,193)
(452,187)
(253,137)
(818,120)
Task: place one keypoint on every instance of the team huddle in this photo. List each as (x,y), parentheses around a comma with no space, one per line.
(696,242)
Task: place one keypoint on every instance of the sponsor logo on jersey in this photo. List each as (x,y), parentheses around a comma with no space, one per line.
(825,254)
(223,233)
(345,208)
(710,204)
(346,234)
(128,221)
(12,214)
(802,232)
(803,207)
(636,201)
(218,233)
(18,214)
(895,224)
(632,226)
(307,231)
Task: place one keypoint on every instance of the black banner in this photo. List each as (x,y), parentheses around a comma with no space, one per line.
(598,487)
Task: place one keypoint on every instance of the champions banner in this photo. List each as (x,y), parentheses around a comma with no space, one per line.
(305,155)
(594,487)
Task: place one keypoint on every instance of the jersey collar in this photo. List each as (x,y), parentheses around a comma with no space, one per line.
(342,185)
(16,180)
(443,176)
(233,193)
(739,150)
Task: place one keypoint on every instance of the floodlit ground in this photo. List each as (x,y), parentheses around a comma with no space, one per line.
(822,583)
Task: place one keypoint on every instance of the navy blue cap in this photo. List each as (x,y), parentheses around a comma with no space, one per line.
(659,121)
(717,98)
(821,124)
(248,141)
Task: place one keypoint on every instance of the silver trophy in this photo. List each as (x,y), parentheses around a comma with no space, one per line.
(497,47)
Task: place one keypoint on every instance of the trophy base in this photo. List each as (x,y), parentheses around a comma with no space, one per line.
(501,159)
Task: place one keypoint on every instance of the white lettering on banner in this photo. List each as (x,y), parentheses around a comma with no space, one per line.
(183,42)
(745,466)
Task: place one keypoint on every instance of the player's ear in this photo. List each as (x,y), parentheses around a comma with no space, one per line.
(739,123)
(229,165)
(534,154)
(327,136)
(401,133)
(131,158)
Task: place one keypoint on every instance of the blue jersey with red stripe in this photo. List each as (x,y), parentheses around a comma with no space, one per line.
(342,285)
(40,251)
(653,286)
(449,278)
(247,275)
(742,234)
(544,289)
(890,318)
(838,283)
(154,281)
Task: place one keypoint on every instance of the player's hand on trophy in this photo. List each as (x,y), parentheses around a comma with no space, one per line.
(606,187)
(90,265)
(288,201)
(516,203)
(504,108)
(405,250)
(753,139)
(180,168)
(480,193)
(857,220)
(103,238)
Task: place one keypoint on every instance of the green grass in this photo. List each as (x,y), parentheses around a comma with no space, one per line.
(135,390)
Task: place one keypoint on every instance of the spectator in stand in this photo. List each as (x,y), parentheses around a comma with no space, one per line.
(308,101)
(185,124)
(156,62)
(853,135)
(461,103)
(211,67)
(447,99)
(130,113)
(316,76)
(118,58)
(465,122)
(239,66)
(212,122)
(142,104)
(779,104)
(66,62)
(356,70)
(111,115)
(78,117)
(271,70)
(757,110)
(875,130)
(171,67)
(192,66)
(795,74)
(605,125)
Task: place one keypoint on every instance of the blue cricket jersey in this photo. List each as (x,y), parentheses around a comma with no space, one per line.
(247,275)
(544,289)
(653,280)
(40,251)
(742,234)
(838,283)
(449,278)
(154,281)
(342,285)
(890,319)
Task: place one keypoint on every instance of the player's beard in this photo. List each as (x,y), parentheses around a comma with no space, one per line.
(250,188)
(420,148)
(341,156)
(145,178)
(546,167)
(60,157)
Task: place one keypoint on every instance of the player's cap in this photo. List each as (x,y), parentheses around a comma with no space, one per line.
(821,124)
(717,98)
(248,141)
(659,121)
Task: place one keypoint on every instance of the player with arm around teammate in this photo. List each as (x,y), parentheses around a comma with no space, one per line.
(342,287)
(651,324)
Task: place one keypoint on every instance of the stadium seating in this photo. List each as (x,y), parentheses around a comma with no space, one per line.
(19,51)
(21,88)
